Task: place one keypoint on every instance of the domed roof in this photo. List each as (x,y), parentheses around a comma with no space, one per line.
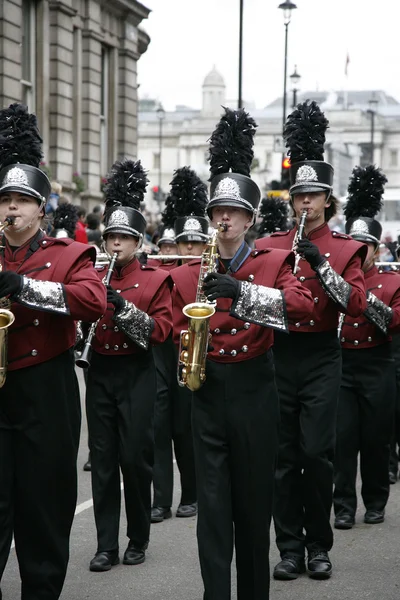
(213,79)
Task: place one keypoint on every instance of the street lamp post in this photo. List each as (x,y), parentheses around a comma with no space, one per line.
(287,8)
(373,103)
(295,80)
(161,117)
(240,99)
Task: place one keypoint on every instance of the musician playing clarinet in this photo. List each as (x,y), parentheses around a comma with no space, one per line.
(121,385)
(50,283)
(235,412)
(308,361)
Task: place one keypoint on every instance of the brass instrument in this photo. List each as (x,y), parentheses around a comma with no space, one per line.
(297,238)
(194,340)
(7,318)
(83,360)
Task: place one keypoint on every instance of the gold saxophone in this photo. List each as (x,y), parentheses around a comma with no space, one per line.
(7,318)
(194,340)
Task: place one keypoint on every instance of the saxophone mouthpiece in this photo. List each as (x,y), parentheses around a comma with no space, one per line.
(222,227)
(9,220)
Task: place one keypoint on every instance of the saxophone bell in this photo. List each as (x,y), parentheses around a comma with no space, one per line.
(194,340)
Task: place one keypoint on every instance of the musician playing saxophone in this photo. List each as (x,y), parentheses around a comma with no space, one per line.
(185,217)
(121,385)
(235,411)
(51,284)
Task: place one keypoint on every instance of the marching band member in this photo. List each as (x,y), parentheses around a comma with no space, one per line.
(185,211)
(235,413)
(51,284)
(121,384)
(368,387)
(330,268)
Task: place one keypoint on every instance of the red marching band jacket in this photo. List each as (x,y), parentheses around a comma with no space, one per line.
(360,332)
(345,256)
(44,328)
(238,339)
(149,289)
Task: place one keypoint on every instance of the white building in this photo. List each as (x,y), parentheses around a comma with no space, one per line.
(184,135)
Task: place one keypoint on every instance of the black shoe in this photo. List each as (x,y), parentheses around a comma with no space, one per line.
(159,513)
(344,521)
(318,565)
(187,510)
(392,477)
(133,555)
(290,567)
(88,465)
(103,561)
(372,517)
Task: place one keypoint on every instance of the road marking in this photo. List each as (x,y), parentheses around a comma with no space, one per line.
(83,506)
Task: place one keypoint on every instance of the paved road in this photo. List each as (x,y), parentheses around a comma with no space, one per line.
(366,560)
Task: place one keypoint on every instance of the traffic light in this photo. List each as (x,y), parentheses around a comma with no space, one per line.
(285,180)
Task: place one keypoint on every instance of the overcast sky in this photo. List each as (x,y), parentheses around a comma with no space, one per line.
(188,37)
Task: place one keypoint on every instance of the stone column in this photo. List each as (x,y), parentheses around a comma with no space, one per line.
(10,51)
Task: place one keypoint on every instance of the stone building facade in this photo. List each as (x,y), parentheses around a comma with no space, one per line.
(185,133)
(74,63)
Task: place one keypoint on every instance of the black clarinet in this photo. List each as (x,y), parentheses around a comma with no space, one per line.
(84,360)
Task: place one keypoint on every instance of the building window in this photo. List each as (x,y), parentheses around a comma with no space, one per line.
(365,155)
(393,162)
(28,47)
(104,109)
(156,160)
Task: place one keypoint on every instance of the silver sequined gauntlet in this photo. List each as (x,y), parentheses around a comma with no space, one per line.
(334,285)
(43,295)
(135,323)
(378,313)
(260,305)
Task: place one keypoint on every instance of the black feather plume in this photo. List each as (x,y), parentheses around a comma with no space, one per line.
(274,213)
(66,217)
(365,192)
(20,140)
(169,214)
(188,196)
(126,184)
(231,143)
(304,132)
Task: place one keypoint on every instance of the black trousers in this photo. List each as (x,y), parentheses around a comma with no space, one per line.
(119,405)
(395,441)
(364,425)
(308,369)
(40,419)
(235,430)
(172,424)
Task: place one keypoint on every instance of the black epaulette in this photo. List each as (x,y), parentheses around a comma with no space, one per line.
(339,234)
(280,233)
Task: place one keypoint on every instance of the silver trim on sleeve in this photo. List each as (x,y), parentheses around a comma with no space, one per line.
(43,295)
(378,313)
(135,323)
(334,285)
(261,305)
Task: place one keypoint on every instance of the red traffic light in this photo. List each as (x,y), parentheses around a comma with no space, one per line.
(155,189)
(286,163)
